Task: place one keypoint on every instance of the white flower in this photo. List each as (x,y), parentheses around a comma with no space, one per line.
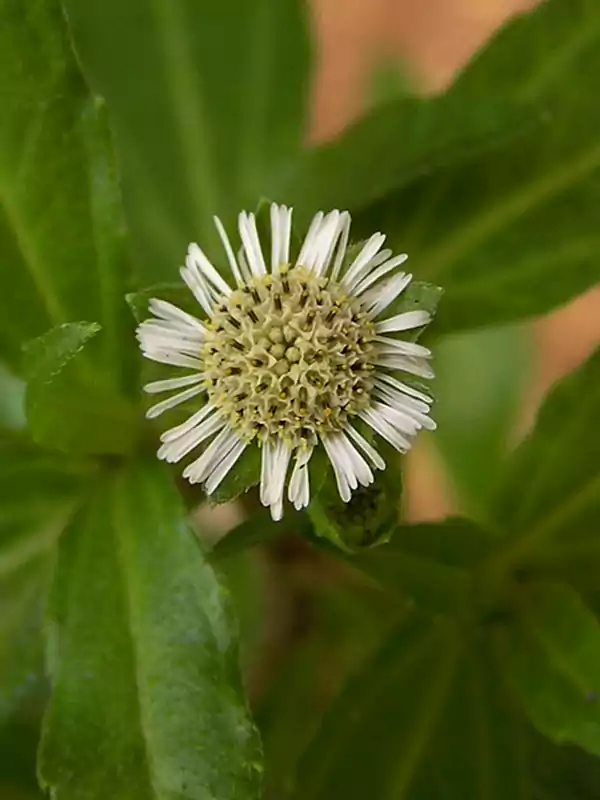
(289,357)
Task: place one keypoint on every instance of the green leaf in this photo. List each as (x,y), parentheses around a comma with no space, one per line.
(553,655)
(61,239)
(22,601)
(146,700)
(12,400)
(414,136)
(512,232)
(201,130)
(426,718)
(68,405)
(38,492)
(431,563)
(551,492)
(479,385)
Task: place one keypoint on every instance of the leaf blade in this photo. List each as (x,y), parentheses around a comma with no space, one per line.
(146,717)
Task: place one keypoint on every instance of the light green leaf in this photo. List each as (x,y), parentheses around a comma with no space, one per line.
(551,492)
(201,129)
(426,718)
(61,239)
(146,700)
(479,384)
(68,405)
(554,650)
(431,563)
(512,232)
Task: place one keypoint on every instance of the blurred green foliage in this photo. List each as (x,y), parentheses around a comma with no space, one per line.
(455,659)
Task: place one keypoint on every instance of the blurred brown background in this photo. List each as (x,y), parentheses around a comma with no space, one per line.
(434,38)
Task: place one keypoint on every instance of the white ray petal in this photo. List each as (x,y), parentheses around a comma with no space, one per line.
(198,288)
(308,242)
(175,450)
(167,311)
(286,234)
(365,446)
(251,242)
(379,269)
(172,358)
(414,366)
(404,322)
(156,410)
(155,387)
(381,426)
(345,221)
(361,264)
(197,260)
(233,265)
(387,344)
(404,387)
(275,238)
(379,297)
(185,427)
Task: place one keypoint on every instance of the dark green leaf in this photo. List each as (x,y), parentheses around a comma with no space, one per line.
(200,127)
(512,232)
(554,651)
(425,719)
(241,478)
(414,136)
(61,241)
(147,701)
(479,384)
(68,406)
(430,563)
(552,486)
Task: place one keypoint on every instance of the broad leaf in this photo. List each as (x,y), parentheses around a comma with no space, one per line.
(146,700)
(411,136)
(553,664)
(68,405)
(61,240)
(552,488)
(425,719)
(479,383)
(512,232)
(431,563)
(200,128)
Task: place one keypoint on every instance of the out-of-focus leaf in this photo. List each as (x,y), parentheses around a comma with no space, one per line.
(479,383)
(512,232)
(496,98)
(563,772)
(68,406)
(552,487)
(61,239)
(146,701)
(348,623)
(553,656)
(22,602)
(38,492)
(12,400)
(201,130)
(426,718)
(429,563)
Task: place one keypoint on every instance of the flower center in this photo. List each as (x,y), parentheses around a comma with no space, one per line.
(289,355)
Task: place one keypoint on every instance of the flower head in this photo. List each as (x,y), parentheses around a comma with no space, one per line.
(289,357)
